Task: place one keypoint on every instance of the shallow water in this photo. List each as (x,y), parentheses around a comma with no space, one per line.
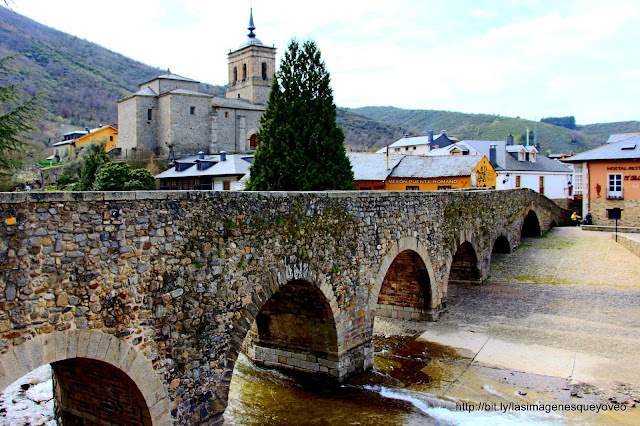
(396,392)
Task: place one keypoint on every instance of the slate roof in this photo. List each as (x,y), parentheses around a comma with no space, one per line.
(147,91)
(436,166)
(367,166)
(617,137)
(187,92)
(236,104)
(170,76)
(235,165)
(507,162)
(626,149)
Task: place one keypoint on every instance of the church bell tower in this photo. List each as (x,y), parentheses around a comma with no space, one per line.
(251,69)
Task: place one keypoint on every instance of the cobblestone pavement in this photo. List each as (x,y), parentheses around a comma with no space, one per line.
(570,289)
(564,306)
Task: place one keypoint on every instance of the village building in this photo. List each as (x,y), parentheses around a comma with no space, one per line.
(420,173)
(608,177)
(418,145)
(72,142)
(518,166)
(219,172)
(169,116)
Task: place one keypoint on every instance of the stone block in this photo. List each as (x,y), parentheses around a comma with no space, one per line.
(119,196)
(61,345)
(84,337)
(48,348)
(72,344)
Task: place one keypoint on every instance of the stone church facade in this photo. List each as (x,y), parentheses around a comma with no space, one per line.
(169,116)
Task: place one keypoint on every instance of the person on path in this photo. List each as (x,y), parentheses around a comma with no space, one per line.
(575,218)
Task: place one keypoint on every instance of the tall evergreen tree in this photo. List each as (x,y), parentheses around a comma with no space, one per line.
(300,146)
(16,115)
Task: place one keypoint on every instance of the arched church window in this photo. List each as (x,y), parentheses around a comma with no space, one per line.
(253,141)
(235,74)
(264,70)
(244,71)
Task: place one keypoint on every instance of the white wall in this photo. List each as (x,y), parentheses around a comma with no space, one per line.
(555,185)
(218,183)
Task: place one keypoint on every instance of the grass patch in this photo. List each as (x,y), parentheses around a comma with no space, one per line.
(540,279)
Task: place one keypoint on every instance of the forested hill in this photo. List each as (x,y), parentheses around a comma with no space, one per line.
(494,127)
(81,80)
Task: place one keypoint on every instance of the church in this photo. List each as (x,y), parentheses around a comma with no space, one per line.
(168,116)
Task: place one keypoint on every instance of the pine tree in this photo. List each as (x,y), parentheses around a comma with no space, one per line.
(300,146)
(16,115)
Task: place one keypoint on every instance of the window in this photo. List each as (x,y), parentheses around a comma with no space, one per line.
(226,114)
(413,188)
(397,149)
(577,179)
(149,114)
(517,181)
(542,185)
(264,70)
(532,157)
(253,141)
(192,110)
(614,187)
(235,75)
(110,138)
(244,72)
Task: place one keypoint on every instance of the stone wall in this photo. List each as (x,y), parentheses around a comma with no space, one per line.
(631,244)
(630,215)
(178,278)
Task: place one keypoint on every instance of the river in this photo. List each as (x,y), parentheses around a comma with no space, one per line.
(396,392)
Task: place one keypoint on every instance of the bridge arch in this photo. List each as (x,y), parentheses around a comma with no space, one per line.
(410,252)
(297,280)
(72,353)
(501,244)
(531,226)
(465,260)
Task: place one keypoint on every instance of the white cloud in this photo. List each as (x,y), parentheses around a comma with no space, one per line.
(513,57)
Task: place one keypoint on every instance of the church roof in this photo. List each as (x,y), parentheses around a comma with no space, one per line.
(147,91)
(236,104)
(170,76)
(188,92)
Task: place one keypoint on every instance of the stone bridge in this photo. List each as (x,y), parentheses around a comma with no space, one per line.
(142,301)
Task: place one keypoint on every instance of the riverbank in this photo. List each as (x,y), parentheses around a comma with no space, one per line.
(548,326)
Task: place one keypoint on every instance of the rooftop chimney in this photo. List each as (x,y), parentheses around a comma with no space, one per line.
(510,139)
(493,155)
(201,155)
(430,138)
(223,156)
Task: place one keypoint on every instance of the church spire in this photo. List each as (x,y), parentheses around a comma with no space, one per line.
(251,27)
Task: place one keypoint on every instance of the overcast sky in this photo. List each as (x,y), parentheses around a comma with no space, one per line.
(527,58)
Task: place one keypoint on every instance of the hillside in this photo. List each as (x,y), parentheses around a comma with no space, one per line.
(80,81)
(362,133)
(493,127)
